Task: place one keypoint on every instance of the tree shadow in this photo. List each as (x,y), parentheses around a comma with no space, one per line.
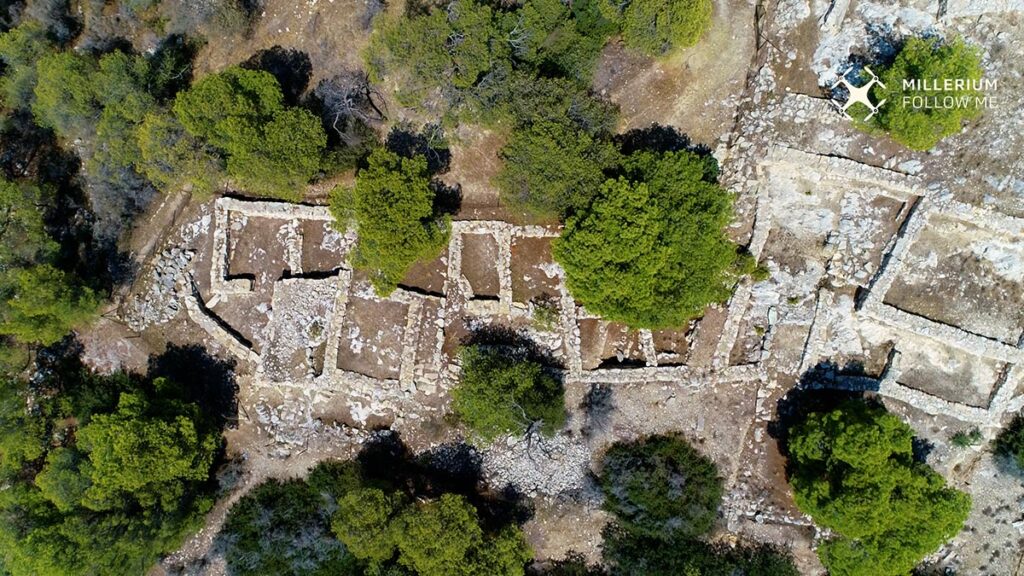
(660,139)
(33,154)
(454,468)
(205,379)
(447,199)
(598,406)
(823,388)
(663,139)
(292,69)
(429,143)
(512,342)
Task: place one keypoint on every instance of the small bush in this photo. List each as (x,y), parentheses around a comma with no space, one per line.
(965,438)
(1010,442)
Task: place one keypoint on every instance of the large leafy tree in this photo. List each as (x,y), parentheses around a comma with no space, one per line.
(433,53)
(39,303)
(271,150)
(444,538)
(147,455)
(101,474)
(283,528)
(503,393)
(395,215)
(853,470)
(650,250)
(230,106)
(20,49)
(661,487)
(44,304)
(65,99)
(930,59)
(172,158)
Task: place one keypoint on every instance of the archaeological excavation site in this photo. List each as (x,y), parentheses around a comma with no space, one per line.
(516,288)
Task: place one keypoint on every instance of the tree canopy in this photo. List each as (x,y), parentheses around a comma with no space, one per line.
(102,475)
(271,149)
(628,554)
(929,59)
(285,528)
(505,393)
(656,27)
(393,206)
(664,496)
(853,470)
(660,487)
(552,169)
(650,250)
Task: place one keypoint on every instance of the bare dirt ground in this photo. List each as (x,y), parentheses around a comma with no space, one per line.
(695,89)
(333,33)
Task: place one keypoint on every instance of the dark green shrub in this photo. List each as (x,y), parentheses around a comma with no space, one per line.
(932,60)
(661,487)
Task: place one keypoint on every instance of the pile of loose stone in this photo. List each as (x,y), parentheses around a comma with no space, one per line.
(160,302)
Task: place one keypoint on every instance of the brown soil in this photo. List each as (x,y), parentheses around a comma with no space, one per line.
(372,337)
(479,264)
(529,280)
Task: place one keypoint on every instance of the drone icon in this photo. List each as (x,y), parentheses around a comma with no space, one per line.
(858,94)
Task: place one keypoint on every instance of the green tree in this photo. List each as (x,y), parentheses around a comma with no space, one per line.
(629,554)
(395,216)
(650,250)
(65,440)
(283,157)
(20,49)
(23,438)
(65,99)
(501,393)
(655,27)
(363,523)
(150,456)
(23,237)
(660,487)
(171,158)
(553,36)
(435,54)
(230,106)
(444,538)
(121,91)
(283,528)
(929,59)
(853,471)
(552,169)
(271,150)
(45,305)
